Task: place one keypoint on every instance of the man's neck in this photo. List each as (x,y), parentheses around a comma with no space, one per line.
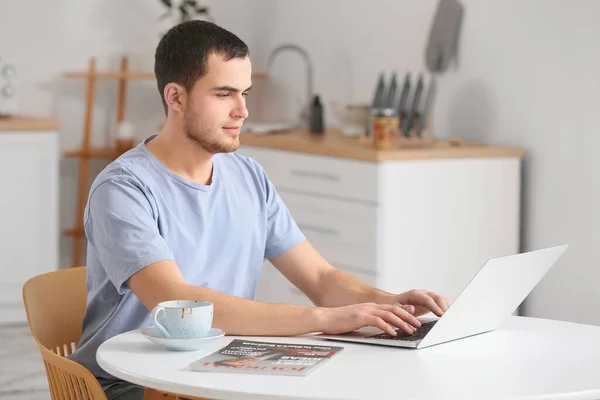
(181,155)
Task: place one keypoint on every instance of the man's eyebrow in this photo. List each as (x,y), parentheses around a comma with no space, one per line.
(229,89)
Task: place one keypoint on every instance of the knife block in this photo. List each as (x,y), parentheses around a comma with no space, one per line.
(412,139)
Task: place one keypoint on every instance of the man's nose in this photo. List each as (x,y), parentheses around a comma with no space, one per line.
(241,111)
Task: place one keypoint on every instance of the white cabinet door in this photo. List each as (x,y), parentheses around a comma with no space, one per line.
(442,220)
(28,214)
(313,174)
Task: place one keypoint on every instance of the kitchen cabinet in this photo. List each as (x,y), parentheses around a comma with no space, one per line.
(29,241)
(398,219)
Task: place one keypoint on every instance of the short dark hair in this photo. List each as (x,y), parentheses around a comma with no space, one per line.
(182,53)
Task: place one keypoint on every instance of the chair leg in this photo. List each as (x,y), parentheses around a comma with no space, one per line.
(151,394)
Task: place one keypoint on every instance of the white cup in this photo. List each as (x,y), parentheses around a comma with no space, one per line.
(183,318)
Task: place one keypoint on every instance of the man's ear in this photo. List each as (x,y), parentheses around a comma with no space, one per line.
(175,96)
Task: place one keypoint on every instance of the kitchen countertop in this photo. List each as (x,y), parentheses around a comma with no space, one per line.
(25,123)
(333,143)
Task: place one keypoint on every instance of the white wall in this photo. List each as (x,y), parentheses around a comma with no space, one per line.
(528,76)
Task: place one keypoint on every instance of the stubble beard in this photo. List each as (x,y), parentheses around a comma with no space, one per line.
(201,135)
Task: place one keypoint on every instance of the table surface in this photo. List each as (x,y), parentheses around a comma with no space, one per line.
(526,358)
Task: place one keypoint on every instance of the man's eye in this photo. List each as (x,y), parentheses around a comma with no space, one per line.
(245,94)
(222,94)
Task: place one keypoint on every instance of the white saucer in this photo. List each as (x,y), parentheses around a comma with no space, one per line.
(185,344)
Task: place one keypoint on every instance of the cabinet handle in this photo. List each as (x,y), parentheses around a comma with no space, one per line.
(319,229)
(317,175)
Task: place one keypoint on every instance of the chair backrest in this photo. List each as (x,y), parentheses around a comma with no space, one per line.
(55,304)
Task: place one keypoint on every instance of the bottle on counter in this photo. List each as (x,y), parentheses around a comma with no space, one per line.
(317,124)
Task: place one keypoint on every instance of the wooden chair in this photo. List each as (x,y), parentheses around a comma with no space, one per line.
(55,305)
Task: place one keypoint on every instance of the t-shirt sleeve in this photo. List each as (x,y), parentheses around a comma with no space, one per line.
(282,231)
(122,230)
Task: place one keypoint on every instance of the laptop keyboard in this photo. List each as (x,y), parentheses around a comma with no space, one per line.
(418,335)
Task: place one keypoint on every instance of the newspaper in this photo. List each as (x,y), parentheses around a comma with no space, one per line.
(246,356)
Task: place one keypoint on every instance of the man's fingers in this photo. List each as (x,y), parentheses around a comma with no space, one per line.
(381,324)
(410,309)
(402,313)
(439,300)
(448,303)
(429,302)
(393,319)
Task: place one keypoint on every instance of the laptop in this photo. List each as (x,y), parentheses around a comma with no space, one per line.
(493,294)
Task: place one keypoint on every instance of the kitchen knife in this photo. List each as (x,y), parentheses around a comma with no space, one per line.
(414,107)
(427,107)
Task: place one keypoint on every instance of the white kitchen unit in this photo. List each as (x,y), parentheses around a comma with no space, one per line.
(399,220)
(29,232)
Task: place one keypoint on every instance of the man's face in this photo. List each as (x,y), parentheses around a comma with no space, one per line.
(216,106)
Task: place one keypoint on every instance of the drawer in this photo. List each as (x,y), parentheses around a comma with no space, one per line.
(345,256)
(343,221)
(343,232)
(321,175)
(357,263)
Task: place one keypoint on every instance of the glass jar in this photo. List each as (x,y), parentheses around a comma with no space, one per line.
(384,127)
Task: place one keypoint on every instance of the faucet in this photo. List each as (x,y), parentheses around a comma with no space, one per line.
(305,113)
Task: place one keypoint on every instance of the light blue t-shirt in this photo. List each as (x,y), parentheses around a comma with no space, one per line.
(139,212)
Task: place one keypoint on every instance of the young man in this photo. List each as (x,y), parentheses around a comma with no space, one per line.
(182,216)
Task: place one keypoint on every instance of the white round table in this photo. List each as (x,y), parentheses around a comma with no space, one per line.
(526,358)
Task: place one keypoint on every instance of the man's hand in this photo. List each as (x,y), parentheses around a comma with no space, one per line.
(345,319)
(423,302)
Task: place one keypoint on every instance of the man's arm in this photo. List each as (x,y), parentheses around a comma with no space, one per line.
(163,281)
(121,229)
(327,286)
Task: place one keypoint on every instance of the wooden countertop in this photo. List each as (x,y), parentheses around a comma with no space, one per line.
(333,143)
(24,123)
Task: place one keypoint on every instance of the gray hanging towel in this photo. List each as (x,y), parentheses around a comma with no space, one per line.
(442,46)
